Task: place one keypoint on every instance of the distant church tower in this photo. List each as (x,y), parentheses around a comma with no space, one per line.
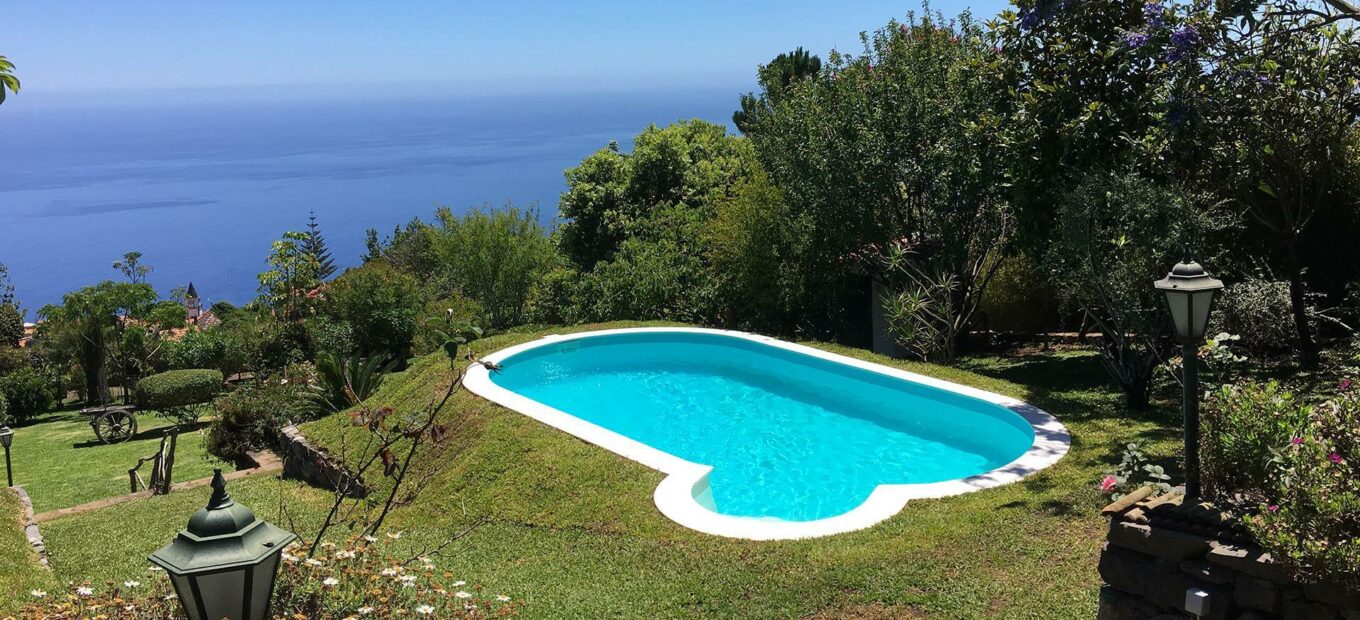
(192,304)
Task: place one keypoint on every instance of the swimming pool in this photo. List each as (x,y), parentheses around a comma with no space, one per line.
(766,439)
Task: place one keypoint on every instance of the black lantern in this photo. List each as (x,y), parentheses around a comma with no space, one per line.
(1190,295)
(7,438)
(223,565)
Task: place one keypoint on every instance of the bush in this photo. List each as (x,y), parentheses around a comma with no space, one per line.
(221,349)
(248,418)
(380,304)
(1309,519)
(438,313)
(4,411)
(1260,312)
(549,301)
(29,393)
(179,394)
(1242,424)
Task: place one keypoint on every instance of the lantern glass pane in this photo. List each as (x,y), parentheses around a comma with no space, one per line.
(1179,304)
(186,595)
(262,584)
(1203,300)
(223,593)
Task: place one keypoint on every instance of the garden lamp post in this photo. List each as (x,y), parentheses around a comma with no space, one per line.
(1190,294)
(224,564)
(7,438)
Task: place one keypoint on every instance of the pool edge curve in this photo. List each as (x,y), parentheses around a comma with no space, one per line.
(675,495)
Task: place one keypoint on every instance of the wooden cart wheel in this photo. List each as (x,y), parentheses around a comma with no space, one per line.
(115,426)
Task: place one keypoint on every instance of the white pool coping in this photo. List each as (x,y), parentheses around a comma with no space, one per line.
(676,496)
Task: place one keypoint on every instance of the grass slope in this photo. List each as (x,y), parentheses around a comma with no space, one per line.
(19,569)
(61,463)
(573,533)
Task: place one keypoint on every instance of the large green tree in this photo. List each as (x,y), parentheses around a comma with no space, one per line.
(104,327)
(890,156)
(774,80)
(288,285)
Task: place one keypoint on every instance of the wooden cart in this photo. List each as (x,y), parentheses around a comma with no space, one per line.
(114,423)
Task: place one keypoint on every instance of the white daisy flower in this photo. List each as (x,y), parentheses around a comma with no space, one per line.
(390,572)
(364,611)
(313,562)
(38,593)
(371,539)
(330,582)
(460,582)
(131,583)
(462,594)
(408,581)
(344,554)
(503,598)
(394,535)
(84,591)
(425,610)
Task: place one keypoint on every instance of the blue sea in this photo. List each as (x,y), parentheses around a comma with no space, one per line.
(202,189)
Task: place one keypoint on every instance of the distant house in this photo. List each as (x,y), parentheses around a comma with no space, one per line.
(30,332)
(194,311)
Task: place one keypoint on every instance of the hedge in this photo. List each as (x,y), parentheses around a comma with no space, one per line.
(179,388)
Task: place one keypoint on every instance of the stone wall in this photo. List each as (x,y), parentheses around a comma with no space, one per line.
(303,461)
(1160,551)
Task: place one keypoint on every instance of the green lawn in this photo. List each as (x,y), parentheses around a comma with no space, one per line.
(58,460)
(572,530)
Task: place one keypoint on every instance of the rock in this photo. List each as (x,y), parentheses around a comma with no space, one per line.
(1332,593)
(1209,573)
(1128,571)
(1247,560)
(1257,594)
(1308,610)
(1162,543)
(1126,502)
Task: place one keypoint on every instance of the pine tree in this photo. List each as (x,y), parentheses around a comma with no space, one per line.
(316,248)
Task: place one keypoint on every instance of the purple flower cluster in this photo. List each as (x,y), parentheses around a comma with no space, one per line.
(1135,40)
(1154,13)
(1185,37)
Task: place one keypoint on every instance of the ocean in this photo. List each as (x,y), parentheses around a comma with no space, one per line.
(202,189)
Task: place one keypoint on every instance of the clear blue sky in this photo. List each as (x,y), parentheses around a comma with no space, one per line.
(73,49)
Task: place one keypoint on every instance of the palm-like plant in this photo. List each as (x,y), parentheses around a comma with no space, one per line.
(344,382)
(7,79)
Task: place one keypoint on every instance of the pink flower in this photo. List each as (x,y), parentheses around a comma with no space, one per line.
(1345,385)
(1298,441)
(1273,508)
(1107,484)
(1335,458)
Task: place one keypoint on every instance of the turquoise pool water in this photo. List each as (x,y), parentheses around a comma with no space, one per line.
(789,436)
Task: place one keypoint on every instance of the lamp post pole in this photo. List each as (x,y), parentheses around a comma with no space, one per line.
(6,438)
(1190,409)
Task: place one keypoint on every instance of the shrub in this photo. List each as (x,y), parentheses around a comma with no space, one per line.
(343,382)
(437,314)
(179,394)
(29,393)
(1259,310)
(249,417)
(550,300)
(380,304)
(1241,425)
(4,411)
(11,325)
(1309,518)
(221,349)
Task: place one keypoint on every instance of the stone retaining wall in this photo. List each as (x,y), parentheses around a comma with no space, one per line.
(303,461)
(1159,552)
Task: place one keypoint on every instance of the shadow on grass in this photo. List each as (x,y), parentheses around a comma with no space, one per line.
(1073,386)
(153,433)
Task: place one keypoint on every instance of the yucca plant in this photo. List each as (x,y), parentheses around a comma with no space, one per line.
(7,79)
(343,382)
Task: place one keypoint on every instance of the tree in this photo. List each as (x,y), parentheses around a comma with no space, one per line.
(132,268)
(92,323)
(774,80)
(11,316)
(381,305)
(890,157)
(1282,109)
(7,78)
(288,285)
(316,247)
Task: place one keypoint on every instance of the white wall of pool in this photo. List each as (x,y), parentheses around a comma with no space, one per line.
(539,374)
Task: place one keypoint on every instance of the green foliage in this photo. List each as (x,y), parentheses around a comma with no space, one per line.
(287,286)
(248,418)
(550,299)
(775,79)
(109,324)
(658,274)
(1115,234)
(898,147)
(218,348)
(132,268)
(343,382)
(434,321)
(1242,425)
(1020,298)
(1259,310)
(690,164)
(7,79)
(178,394)
(1134,472)
(4,410)
(315,246)
(1289,468)
(29,393)
(11,325)
(379,304)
